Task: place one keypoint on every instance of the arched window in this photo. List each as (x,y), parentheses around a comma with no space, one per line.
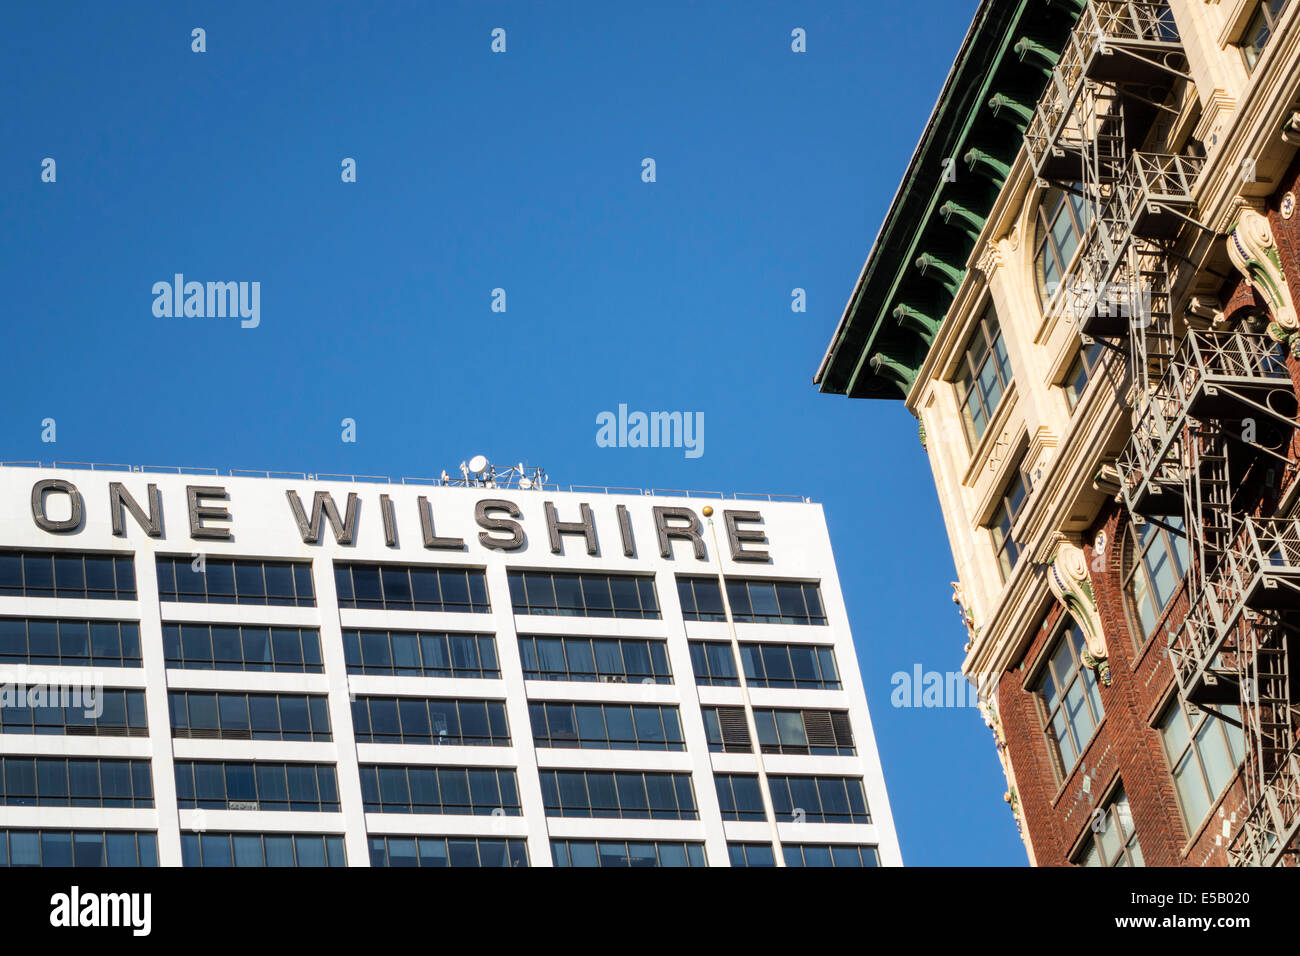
(1155,561)
(1056,238)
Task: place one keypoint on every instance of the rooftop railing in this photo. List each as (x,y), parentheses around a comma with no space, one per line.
(385,480)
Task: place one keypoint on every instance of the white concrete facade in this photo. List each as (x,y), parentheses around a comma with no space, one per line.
(262,525)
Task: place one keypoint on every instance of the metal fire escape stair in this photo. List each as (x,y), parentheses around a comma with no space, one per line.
(1186,456)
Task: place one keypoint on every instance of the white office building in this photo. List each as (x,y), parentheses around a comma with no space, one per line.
(212,670)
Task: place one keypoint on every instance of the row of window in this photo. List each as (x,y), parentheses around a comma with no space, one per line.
(604,659)
(805,854)
(75,782)
(238,715)
(265,785)
(428,720)
(478,791)
(235,581)
(78,848)
(816,732)
(66,574)
(97,713)
(606,726)
(50,641)
(262,849)
(100,848)
(447,851)
(232,647)
(234,715)
(403,588)
(395,587)
(797,799)
(752,601)
(69,642)
(420,653)
(624,794)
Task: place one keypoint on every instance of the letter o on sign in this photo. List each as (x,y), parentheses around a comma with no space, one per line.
(43,488)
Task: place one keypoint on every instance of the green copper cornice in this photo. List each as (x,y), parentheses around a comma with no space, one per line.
(962,161)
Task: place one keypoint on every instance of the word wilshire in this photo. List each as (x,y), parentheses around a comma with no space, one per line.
(209,519)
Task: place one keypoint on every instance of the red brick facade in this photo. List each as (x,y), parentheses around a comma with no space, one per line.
(1126,746)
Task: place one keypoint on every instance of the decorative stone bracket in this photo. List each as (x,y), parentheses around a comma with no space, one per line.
(1253,251)
(1067,576)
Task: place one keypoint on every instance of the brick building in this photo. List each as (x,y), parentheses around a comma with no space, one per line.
(1084,290)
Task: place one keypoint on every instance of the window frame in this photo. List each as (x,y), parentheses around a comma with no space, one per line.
(1135,564)
(1263,15)
(1045,241)
(967,377)
(1045,672)
(1093,847)
(1192,727)
(1003,511)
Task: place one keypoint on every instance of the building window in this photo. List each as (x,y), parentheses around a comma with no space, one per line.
(584,595)
(69,642)
(819,799)
(233,647)
(420,653)
(262,849)
(238,581)
(1112,840)
(1012,499)
(1155,562)
(75,782)
(120,714)
(819,733)
(399,587)
(447,851)
(1071,703)
(261,785)
(1203,752)
(830,854)
(466,791)
(78,848)
(66,574)
(606,726)
(753,601)
(739,796)
(983,377)
(232,715)
(606,660)
(628,795)
(1081,371)
(620,853)
(1060,223)
(1260,29)
(808,666)
(751,854)
(726,730)
(430,720)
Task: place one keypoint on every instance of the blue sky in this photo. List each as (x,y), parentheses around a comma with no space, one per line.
(478,171)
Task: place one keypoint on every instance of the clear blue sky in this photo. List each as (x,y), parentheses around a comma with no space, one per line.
(477,171)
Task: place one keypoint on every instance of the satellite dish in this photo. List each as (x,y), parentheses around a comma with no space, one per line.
(525,483)
(478,464)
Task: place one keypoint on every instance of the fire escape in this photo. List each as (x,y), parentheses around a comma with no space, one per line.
(1214,409)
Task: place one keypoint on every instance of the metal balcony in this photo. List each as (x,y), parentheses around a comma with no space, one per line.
(1213,375)
(1114,42)
(1268,834)
(1259,571)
